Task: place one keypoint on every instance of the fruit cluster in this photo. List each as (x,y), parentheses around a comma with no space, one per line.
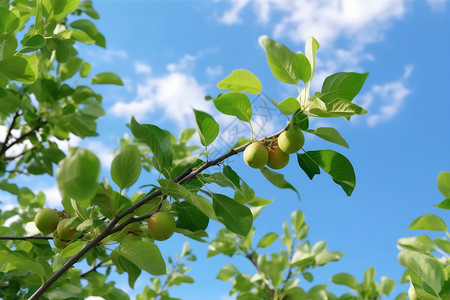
(276,155)
(48,220)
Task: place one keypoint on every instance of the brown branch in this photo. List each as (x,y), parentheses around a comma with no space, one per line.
(23,136)
(34,237)
(8,134)
(187,175)
(94,268)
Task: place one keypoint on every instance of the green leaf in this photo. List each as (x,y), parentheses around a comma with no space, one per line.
(426,267)
(235,104)
(207,127)
(325,256)
(226,272)
(345,279)
(329,134)
(297,220)
(78,174)
(232,176)
(337,166)
(442,243)
(72,248)
(106,78)
(9,22)
(343,85)
(91,30)
(428,222)
(178,191)
(235,216)
(144,254)
(20,68)
(241,81)
(444,204)
(311,48)
(301,120)
(285,65)
(289,106)
(334,108)
(68,69)
(124,265)
(277,179)
(267,240)
(158,141)
(286,238)
(421,244)
(126,167)
(34,43)
(443,183)
(85,69)
(387,285)
(60,8)
(190,217)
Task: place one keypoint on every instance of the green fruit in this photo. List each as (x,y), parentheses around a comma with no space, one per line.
(64,232)
(256,155)
(291,141)
(46,220)
(161,225)
(59,243)
(277,158)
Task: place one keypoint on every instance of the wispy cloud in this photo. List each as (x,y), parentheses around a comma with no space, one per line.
(437,5)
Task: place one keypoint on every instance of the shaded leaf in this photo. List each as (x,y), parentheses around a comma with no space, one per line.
(144,254)
(235,216)
(277,179)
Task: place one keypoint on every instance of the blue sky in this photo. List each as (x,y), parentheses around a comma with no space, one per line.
(171,54)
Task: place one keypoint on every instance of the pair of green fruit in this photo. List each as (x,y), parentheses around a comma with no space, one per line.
(47,221)
(256,155)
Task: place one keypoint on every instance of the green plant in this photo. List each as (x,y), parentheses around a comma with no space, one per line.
(256,155)
(46,220)
(291,140)
(161,225)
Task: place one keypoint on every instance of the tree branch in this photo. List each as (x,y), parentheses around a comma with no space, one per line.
(94,268)
(22,137)
(24,238)
(187,175)
(8,134)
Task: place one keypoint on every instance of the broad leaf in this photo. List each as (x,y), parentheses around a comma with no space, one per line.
(289,106)
(334,108)
(58,9)
(421,244)
(190,217)
(425,266)
(235,104)
(126,167)
(345,279)
(329,134)
(158,141)
(68,69)
(226,272)
(277,179)
(267,240)
(235,216)
(337,166)
(207,127)
(91,30)
(77,174)
(428,222)
(343,85)
(9,22)
(309,166)
(106,78)
(241,81)
(34,43)
(387,285)
(20,68)
(444,204)
(443,183)
(285,65)
(144,254)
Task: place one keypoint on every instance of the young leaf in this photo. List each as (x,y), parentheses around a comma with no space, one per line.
(144,254)
(235,216)
(126,167)
(158,141)
(207,127)
(444,204)
(106,78)
(20,68)
(345,279)
(343,85)
(267,240)
(428,222)
(335,108)
(77,174)
(387,285)
(329,134)
(311,48)
(285,65)
(227,272)
(241,81)
(337,166)
(60,8)
(278,180)
(443,183)
(289,106)
(235,104)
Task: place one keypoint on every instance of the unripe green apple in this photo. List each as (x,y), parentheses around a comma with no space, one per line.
(277,158)
(161,225)
(46,220)
(64,232)
(59,243)
(256,155)
(292,140)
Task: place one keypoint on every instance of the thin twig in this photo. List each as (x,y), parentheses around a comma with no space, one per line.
(94,268)
(23,136)
(8,134)
(24,238)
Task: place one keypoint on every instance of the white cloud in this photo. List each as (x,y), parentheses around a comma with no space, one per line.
(103,152)
(437,5)
(232,16)
(52,196)
(391,96)
(141,67)
(214,71)
(185,64)
(110,55)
